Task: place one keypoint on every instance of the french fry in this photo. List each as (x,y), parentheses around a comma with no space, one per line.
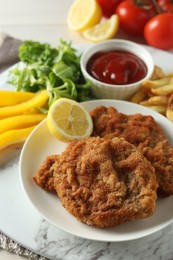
(170,75)
(157,73)
(159,109)
(157,93)
(156,101)
(163,90)
(145,103)
(169,114)
(138,96)
(156,83)
(169,111)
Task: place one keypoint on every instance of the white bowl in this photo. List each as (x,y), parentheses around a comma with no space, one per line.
(109,91)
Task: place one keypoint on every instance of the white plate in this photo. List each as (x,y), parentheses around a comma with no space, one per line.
(41,144)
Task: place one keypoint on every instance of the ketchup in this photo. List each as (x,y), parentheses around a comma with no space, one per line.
(116,67)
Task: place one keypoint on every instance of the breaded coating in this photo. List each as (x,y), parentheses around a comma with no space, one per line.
(44,176)
(105,182)
(143,132)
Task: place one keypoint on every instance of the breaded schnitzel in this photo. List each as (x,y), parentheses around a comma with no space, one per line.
(143,132)
(44,177)
(105,182)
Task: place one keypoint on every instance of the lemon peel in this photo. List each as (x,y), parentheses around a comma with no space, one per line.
(104,30)
(83,14)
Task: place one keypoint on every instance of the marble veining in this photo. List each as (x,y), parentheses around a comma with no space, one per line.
(56,244)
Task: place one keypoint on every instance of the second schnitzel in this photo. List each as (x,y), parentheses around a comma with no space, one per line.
(143,132)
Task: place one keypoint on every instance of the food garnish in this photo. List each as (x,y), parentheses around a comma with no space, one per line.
(150,19)
(83,14)
(38,100)
(19,116)
(106,29)
(14,136)
(68,120)
(55,69)
(10,98)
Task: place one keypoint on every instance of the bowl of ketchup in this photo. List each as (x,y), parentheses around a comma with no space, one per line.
(116,68)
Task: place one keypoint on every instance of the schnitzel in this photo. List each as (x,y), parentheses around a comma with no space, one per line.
(105,182)
(143,132)
(44,177)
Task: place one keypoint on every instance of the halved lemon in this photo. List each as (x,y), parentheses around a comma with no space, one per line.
(83,14)
(104,30)
(68,120)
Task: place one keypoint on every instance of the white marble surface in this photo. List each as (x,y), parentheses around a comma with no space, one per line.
(45,20)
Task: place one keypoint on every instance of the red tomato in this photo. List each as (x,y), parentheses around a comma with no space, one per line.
(165,5)
(158,32)
(108,6)
(133,17)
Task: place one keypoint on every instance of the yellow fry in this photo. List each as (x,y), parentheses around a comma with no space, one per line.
(145,103)
(169,114)
(157,73)
(156,101)
(169,111)
(156,83)
(138,96)
(159,109)
(170,75)
(164,90)
(170,102)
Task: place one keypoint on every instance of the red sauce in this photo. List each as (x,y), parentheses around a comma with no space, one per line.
(116,67)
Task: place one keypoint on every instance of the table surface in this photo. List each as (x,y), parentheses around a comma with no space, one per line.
(45,21)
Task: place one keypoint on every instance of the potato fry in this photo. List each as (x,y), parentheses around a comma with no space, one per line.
(156,101)
(156,83)
(170,75)
(157,73)
(157,93)
(169,114)
(159,109)
(145,103)
(163,90)
(170,102)
(169,111)
(138,96)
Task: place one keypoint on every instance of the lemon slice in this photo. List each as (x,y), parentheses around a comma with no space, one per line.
(105,30)
(68,120)
(83,14)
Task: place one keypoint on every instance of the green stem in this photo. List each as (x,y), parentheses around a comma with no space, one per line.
(156,6)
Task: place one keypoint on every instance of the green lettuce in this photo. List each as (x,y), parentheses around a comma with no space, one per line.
(55,69)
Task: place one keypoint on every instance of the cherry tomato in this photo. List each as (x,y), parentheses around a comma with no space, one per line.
(165,5)
(108,6)
(158,32)
(133,17)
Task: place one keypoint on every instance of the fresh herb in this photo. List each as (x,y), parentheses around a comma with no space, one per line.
(55,69)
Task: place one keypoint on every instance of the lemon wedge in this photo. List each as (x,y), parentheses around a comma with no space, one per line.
(83,14)
(104,30)
(68,120)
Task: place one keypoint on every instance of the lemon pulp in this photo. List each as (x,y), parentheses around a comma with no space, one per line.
(68,120)
(104,30)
